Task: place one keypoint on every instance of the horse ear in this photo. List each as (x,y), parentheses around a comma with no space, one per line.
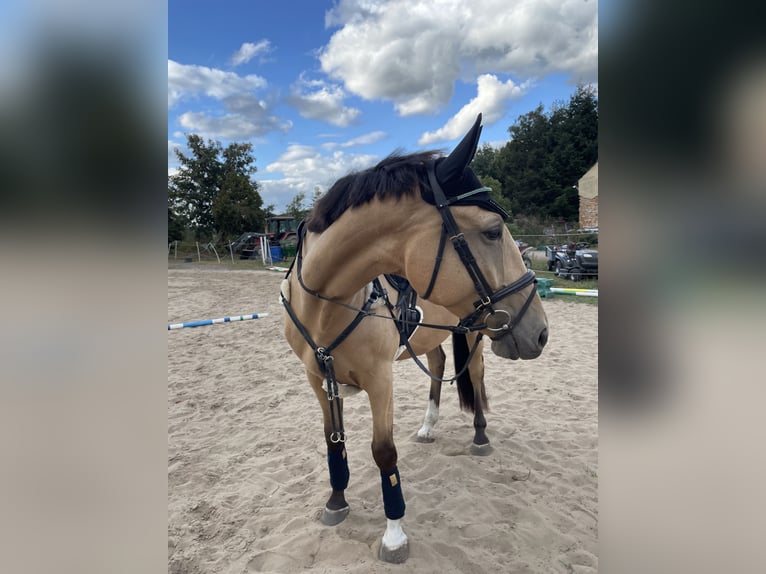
(453,165)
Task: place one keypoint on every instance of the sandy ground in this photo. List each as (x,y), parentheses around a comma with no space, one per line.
(247,474)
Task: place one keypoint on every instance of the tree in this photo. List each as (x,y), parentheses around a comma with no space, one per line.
(546,156)
(484,162)
(237,208)
(175,227)
(496,192)
(297,207)
(194,188)
(214,195)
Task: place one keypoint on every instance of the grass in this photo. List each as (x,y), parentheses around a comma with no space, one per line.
(540,267)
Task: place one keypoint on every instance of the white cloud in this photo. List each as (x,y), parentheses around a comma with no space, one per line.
(303,168)
(247,51)
(318,100)
(365,139)
(242,114)
(491,100)
(411,52)
(232,126)
(189,81)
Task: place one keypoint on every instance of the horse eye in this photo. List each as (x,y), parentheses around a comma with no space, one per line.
(493,234)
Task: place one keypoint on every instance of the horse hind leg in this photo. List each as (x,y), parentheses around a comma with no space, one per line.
(473,396)
(436,359)
(480,445)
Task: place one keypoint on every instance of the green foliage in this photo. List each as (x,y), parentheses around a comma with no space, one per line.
(298,207)
(484,164)
(548,153)
(237,208)
(212,193)
(497,191)
(530,229)
(175,227)
(590,238)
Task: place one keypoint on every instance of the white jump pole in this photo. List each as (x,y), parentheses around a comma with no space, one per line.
(579,292)
(216,321)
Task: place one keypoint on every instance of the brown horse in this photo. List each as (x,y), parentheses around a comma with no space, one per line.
(341,319)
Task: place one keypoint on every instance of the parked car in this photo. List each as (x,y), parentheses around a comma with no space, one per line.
(573,261)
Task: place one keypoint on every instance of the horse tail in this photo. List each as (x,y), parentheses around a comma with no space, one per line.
(461,354)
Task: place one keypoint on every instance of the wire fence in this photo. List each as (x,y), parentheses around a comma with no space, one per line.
(540,257)
(199,252)
(543,239)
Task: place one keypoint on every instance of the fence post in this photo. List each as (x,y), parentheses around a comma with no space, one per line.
(210,245)
(231,251)
(266,251)
(199,257)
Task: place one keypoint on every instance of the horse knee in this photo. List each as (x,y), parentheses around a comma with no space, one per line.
(385,455)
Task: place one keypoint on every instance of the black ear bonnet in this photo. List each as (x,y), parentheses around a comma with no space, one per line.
(457,180)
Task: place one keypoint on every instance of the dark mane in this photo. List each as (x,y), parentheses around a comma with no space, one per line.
(395,176)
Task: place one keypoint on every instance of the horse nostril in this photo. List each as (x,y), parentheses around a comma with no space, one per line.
(543,337)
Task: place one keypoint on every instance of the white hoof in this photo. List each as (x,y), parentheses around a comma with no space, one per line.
(395,555)
(395,548)
(425,434)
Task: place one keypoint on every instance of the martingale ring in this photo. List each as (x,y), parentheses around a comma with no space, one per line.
(504,326)
(337,437)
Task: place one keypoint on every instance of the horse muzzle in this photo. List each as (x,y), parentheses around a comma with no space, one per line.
(510,346)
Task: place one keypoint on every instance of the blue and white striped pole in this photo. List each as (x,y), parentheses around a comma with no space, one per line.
(214,321)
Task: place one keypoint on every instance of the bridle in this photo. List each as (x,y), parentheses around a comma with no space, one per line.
(487,297)
(468,324)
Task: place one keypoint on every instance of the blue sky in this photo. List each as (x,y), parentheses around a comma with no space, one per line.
(321,88)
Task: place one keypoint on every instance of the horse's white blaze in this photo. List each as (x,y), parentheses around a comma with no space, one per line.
(394,537)
(429,422)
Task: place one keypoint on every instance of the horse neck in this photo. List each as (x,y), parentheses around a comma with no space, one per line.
(363,243)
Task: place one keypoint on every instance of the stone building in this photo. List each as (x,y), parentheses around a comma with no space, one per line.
(587,189)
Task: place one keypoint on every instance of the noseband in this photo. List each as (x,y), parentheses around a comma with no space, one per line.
(487,297)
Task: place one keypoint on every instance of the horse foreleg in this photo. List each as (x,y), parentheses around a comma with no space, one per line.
(480,445)
(336,509)
(436,359)
(394,545)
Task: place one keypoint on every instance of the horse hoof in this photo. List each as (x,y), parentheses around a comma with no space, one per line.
(332,517)
(424,438)
(395,555)
(481,449)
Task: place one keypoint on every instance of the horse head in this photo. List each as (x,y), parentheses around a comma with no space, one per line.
(483,278)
